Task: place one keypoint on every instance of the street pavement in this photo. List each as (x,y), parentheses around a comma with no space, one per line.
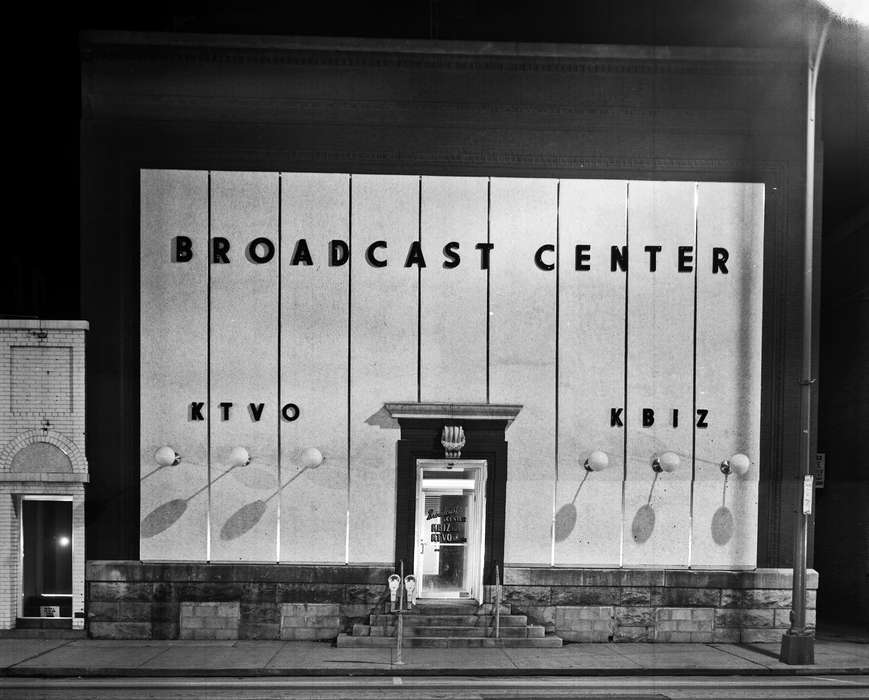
(440,688)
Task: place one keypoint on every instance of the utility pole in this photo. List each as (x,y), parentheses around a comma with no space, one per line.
(798,643)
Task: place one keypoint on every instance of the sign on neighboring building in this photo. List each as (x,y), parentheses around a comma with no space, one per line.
(820,469)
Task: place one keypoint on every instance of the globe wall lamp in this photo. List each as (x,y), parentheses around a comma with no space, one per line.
(738,464)
(167,457)
(597,461)
(310,458)
(665,462)
(239,457)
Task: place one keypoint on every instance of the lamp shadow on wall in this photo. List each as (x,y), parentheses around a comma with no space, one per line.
(565,518)
(164,516)
(251,513)
(382,419)
(167,514)
(722,520)
(723,523)
(643,524)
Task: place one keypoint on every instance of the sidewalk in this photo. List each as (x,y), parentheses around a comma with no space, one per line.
(93,658)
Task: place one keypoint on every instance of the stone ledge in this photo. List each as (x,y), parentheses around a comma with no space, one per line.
(669,578)
(310,609)
(128,570)
(31,478)
(453,411)
(43,324)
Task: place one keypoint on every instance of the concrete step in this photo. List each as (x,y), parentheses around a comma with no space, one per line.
(43,634)
(449,631)
(434,631)
(472,607)
(349,641)
(43,623)
(446,620)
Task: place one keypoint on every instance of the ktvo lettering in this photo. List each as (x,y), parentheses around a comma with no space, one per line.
(289,411)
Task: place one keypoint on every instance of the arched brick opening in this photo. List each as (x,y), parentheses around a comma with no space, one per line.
(50,437)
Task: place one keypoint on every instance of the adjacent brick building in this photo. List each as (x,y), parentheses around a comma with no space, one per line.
(42,453)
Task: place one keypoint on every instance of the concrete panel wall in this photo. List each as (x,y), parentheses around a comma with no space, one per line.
(522,356)
(383,353)
(314,366)
(581,341)
(453,338)
(591,372)
(244,369)
(173,365)
(724,525)
(660,329)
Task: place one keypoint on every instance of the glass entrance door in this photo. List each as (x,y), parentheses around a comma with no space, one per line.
(450,517)
(46,557)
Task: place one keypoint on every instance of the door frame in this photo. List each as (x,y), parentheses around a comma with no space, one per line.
(476,544)
(421,439)
(19,608)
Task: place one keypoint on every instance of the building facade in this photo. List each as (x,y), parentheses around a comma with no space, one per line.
(43,472)
(449,307)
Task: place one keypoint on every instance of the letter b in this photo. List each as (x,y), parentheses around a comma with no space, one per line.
(182,251)
(648,417)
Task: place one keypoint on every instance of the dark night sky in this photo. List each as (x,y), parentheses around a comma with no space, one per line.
(42,261)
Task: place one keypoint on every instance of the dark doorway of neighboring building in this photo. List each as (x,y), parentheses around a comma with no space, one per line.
(46,559)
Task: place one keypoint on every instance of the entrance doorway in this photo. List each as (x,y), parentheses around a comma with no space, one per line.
(46,557)
(450,524)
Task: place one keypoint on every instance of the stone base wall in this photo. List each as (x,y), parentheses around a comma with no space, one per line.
(656,605)
(209,620)
(312,620)
(280,601)
(135,600)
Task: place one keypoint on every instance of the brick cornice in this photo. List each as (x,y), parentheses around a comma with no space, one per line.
(478,55)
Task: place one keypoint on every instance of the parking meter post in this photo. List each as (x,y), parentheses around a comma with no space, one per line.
(401,588)
(393,582)
(399,632)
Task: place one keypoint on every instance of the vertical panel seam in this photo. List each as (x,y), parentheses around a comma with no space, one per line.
(557,356)
(625,391)
(208,377)
(488,283)
(280,272)
(419,297)
(693,386)
(349,357)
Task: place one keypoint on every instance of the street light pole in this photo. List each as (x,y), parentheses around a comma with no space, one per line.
(798,643)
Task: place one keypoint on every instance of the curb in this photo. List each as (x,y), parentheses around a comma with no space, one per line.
(136,672)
